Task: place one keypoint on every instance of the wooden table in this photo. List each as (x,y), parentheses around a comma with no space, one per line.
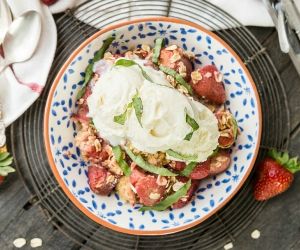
(279,222)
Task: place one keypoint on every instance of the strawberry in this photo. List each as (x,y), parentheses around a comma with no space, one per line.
(49,2)
(207,83)
(275,175)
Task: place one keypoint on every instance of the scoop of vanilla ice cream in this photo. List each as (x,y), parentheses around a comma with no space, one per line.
(163,122)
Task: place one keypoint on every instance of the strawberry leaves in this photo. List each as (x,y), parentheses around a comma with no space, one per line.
(283,158)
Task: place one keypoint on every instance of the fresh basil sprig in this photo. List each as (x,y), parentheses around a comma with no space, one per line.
(147,166)
(170,200)
(89,69)
(181,156)
(159,43)
(118,153)
(177,77)
(194,125)
(128,63)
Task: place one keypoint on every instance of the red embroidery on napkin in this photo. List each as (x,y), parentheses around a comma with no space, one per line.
(35,87)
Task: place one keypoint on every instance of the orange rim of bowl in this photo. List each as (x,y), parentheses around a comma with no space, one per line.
(47,141)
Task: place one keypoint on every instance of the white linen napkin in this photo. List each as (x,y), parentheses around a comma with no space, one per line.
(248,12)
(20,89)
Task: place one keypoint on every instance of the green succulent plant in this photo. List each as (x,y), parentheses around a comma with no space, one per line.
(5,164)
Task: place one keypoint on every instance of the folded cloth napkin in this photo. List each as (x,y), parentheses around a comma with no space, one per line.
(247,12)
(20,87)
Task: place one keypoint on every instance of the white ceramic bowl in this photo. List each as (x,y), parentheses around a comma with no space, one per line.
(213,193)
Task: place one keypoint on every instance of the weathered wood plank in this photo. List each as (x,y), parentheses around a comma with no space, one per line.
(13,196)
(280,60)
(261,34)
(278,223)
(31,224)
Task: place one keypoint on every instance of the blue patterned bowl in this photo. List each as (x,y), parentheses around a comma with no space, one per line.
(213,193)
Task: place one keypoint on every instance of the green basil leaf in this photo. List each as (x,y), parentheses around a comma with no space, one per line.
(190,121)
(188,137)
(170,200)
(100,53)
(138,107)
(4,171)
(125,63)
(235,127)
(3,155)
(81,93)
(177,77)
(147,166)
(180,156)
(129,63)
(118,153)
(188,169)
(159,43)
(89,69)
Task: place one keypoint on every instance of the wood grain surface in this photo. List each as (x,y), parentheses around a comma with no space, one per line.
(279,222)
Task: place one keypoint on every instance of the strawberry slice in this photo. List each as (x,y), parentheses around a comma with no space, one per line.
(208,84)
(201,171)
(275,175)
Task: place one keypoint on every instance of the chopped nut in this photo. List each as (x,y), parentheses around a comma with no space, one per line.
(172,47)
(97,145)
(154,196)
(80,101)
(218,76)
(208,75)
(225,134)
(221,158)
(133,188)
(108,56)
(146,47)
(255,234)
(20,242)
(182,89)
(196,76)
(177,186)
(182,69)
(36,242)
(228,246)
(175,57)
(129,54)
(171,80)
(189,55)
(161,181)
(216,164)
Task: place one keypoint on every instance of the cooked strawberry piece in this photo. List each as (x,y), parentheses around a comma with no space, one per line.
(183,64)
(83,108)
(227,127)
(226,141)
(179,165)
(201,171)
(148,191)
(219,163)
(186,199)
(100,180)
(136,174)
(209,85)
